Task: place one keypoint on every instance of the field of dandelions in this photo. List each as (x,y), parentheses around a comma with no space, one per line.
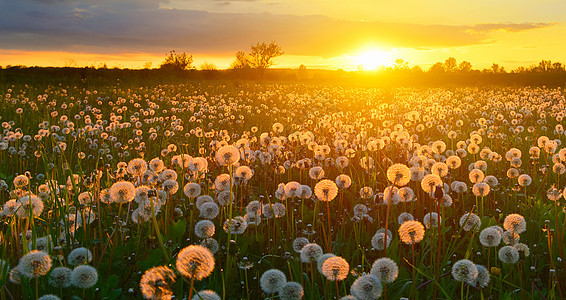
(281,191)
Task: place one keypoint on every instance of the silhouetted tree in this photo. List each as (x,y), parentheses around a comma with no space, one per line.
(207,66)
(465,66)
(450,64)
(495,68)
(176,61)
(262,55)
(544,65)
(437,68)
(242,61)
(558,67)
(401,64)
(416,69)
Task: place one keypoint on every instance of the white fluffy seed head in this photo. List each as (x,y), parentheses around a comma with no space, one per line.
(272,280)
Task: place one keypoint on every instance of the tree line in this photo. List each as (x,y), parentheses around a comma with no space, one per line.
(260,57)
(451,65)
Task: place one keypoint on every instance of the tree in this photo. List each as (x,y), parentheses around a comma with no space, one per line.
(558,67)
(450,64)
(544,65)
(401,64)
(465,66)
(495,68)
(176,61)
(262,55)
(241,62)
(437,68)
(416,69)
(208,66)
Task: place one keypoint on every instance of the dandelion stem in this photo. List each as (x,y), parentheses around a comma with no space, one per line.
(157,232)
(329,246)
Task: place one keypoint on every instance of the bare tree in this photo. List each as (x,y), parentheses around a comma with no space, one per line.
(242,61)
(262,55)
(176,61)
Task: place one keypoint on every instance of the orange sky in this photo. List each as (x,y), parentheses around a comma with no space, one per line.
(316,33)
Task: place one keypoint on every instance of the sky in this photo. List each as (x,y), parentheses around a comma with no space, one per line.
(328,34)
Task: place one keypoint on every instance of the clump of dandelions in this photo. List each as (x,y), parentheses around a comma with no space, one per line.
(272,280)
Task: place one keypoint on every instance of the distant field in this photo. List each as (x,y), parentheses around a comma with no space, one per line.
(290,190)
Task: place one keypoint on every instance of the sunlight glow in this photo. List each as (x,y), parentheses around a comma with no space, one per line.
(372,59)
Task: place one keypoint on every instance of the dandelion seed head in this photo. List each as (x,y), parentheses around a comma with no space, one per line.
(195,261)
(508,254)
(291,291)
(385,269)
(34,264)
(157,283)
(272,280)
(84,277)
(465,271)
(366,287)
(411,232)
(335,268)
(515,223)
(310,253)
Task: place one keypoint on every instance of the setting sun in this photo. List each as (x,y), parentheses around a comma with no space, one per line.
(372,59)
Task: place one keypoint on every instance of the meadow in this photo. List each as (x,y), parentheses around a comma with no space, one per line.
(264,190)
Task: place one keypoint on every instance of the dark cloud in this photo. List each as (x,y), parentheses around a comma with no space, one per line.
(509,27)
(110,26)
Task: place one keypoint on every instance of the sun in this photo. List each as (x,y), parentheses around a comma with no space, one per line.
(372,59)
